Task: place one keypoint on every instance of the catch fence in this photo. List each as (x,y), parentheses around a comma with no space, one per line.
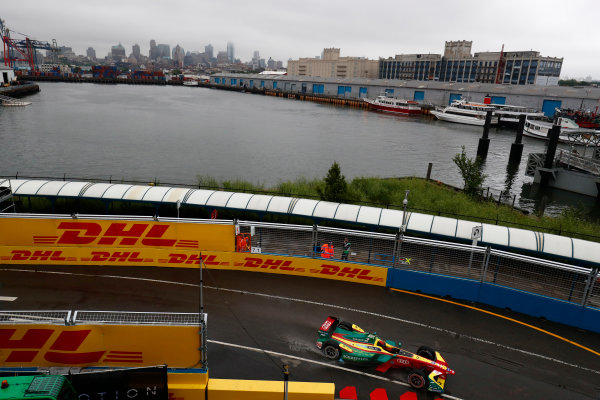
(573,284)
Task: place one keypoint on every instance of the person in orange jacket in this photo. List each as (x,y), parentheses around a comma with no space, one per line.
(327,250)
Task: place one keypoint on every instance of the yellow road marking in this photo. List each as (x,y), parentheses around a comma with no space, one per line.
(503,317)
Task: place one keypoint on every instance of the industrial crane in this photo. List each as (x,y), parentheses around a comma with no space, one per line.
(22,49)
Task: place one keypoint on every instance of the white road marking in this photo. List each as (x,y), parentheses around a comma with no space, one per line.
(7,298)
(449,332)
(274,353)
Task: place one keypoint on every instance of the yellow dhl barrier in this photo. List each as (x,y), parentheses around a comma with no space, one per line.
(187,386)
(299,266)
(115,234)
(45,345)
(149,243)
(227,389)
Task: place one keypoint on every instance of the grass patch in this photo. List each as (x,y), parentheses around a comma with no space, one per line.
(432,197)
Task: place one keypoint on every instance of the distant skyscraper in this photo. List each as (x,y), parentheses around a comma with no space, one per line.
(208,50)
(90,53)
(178,55)
(230,53)
(153,51)
(164,51)
(117,52)
(136,51)
(222,57)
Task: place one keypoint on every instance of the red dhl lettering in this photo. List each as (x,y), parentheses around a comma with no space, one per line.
(62,351)
(117,233)
(350,272)
(175,258)
(273,264)
(37,255)
(116,256)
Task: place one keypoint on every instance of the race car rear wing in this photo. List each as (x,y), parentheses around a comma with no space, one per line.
(328,326)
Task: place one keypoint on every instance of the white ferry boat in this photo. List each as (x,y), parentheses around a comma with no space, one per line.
(393,105)
(463,112)
(508,114)
(570,132)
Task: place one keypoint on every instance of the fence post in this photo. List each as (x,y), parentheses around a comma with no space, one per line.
(397,248)
(315,241)
(486,262)
(589,285)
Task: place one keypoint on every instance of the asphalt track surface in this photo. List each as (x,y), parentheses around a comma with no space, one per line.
(258,322)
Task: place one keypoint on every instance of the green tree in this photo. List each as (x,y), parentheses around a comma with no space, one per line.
(335,185)
(471,172)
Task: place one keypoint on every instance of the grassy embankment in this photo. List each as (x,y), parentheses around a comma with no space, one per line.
(428,197)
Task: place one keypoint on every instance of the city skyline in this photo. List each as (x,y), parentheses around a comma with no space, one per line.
(284,31)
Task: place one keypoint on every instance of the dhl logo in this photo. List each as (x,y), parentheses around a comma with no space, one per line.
(63,349)
(117,233)
(274,264)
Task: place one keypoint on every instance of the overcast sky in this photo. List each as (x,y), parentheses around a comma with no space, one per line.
(291,29)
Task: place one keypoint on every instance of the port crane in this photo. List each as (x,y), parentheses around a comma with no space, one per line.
(23,50)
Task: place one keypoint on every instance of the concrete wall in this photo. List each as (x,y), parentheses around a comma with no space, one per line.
(436,93)
(497,296)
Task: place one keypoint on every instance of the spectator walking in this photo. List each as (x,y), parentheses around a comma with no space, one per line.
(346,250)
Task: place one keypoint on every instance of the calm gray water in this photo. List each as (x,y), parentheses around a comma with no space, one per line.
(175,134)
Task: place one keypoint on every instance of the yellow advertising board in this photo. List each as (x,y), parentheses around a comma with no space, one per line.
(45,345)
(115,234)
(149,243)
(318,267)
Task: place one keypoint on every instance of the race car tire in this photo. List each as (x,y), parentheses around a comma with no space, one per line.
(346,325)
(427,352)
(417,379)
(332,351)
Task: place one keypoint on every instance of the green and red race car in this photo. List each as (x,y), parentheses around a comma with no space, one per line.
(340,340)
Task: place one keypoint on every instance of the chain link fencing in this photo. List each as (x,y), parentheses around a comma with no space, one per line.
(579,285)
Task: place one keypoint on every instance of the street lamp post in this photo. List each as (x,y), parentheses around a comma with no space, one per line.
(400,236)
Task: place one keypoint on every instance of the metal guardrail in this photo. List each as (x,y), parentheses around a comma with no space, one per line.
(135,318)
(570,159)
(578,285)
(35,317)
(100,318)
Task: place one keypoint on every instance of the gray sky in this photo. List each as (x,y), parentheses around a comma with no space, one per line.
(285,29)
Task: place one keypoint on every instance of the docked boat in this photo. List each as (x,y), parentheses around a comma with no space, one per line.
(393,105)
(463,112)
(570,132)
(190,82)
(509,115)
(585,119)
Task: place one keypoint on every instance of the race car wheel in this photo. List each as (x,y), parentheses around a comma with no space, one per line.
(427,352)
(332,351)
(417,379)
(346,325)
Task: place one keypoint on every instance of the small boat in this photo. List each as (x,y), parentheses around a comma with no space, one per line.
(190,82)
(463,112)
(394,105)
(7,101)
(585,119)
(509,115)
(17,103)
(570,132)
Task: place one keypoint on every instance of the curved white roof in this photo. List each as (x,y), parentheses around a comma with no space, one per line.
(576,250)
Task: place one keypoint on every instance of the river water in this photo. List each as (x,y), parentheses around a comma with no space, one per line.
(175,134)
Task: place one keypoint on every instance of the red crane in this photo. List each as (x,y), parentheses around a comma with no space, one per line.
(501,62)
(23,50)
